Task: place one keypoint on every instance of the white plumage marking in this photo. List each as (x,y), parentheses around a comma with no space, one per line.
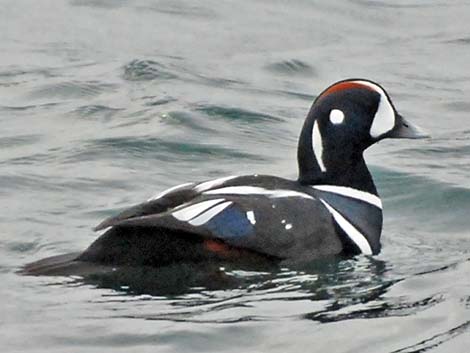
(357,237)
(104,230)
(288,226)
(211,213)
(212,183)
(317,145)
(189,212)
(384,119)
(336,116)
(352,193)
(167,191)
(251,217)
(255,190)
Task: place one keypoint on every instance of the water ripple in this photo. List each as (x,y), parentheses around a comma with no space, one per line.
(73,89)
(178,9)
(236,114)
(155,148)
(19,140)
(146,70)
(102,4)
(292,67)
(436,340)
(100,111)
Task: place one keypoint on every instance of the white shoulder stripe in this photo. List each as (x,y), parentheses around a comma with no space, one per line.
(255,190)
(189,212)
(356,236)
(212,183)
(167,191)
(208,215)
(353,193)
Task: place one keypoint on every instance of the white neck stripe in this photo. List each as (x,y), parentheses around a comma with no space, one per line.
(357,237)
(317,146)
(352,193)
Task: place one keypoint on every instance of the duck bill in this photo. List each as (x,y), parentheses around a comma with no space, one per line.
(405,130)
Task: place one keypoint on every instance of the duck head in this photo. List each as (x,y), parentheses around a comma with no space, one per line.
(344,120)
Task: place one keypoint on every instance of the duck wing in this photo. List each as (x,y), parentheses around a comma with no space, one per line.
(160,203)
(268,219)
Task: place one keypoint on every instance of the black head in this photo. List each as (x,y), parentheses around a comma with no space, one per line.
(344,120)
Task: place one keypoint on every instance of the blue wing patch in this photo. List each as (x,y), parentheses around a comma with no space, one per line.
(230,223)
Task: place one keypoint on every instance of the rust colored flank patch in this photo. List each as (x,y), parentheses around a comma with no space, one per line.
(229,252)
(221,248)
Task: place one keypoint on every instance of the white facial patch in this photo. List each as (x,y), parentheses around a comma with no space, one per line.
(384,119)
(336,116)
(317,145)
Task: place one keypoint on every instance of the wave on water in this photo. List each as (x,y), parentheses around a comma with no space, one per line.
(236,114)
(292,67)
(146,70)
(410,194)
(156,149)
(97,111)
(73,89)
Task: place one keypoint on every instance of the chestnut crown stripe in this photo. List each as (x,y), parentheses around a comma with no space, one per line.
(384,119)
(342,86)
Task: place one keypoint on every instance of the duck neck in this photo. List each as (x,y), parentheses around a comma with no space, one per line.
(340,166)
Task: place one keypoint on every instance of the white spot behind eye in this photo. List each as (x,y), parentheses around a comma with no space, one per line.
(336,116)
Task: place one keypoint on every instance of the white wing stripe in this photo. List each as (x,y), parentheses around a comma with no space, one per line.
(353,193)
(167,191)
(254,190)
(356,236)
(208,215)
(187,213)
(211,183)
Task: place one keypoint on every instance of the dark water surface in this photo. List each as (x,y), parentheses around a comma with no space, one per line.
(103,103)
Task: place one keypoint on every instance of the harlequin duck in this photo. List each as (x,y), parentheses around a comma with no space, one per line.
(332,208)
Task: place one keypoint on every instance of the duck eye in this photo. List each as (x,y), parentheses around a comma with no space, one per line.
(336,116)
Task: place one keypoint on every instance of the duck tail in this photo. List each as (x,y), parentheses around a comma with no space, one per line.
(61,265)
